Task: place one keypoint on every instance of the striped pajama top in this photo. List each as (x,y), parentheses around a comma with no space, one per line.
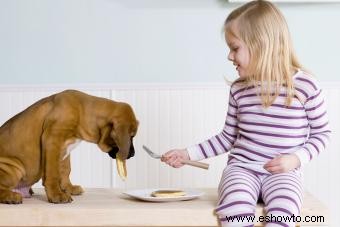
(254,134)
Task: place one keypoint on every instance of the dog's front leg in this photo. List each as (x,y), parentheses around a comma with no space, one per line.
(66,185)
(52,146)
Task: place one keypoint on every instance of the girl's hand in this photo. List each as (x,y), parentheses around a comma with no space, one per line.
(175,157)
(282,164)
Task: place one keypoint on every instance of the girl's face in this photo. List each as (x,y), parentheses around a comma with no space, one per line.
(238,52)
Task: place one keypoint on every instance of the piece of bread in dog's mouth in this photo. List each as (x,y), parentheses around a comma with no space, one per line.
(168,193)
(121,167)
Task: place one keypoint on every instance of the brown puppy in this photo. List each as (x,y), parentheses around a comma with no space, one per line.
(33,144)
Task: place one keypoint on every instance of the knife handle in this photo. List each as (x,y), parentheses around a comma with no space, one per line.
(196,164)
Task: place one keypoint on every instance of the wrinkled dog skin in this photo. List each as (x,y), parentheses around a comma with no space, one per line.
(33,144)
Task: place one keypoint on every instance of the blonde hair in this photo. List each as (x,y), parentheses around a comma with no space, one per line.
(264,30)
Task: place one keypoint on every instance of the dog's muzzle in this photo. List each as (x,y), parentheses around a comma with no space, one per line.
(113,152)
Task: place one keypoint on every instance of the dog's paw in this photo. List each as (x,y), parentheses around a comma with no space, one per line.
(73,189)
(60,198)
(10,197)
(76,190)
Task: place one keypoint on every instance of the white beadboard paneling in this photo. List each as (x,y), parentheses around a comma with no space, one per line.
(90,166)
(165,124)
(175,116)
(322,175)
(13,102)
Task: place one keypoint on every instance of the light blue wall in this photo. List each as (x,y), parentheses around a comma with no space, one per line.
(118,41)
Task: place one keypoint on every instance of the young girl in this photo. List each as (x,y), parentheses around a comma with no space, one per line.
(276,121)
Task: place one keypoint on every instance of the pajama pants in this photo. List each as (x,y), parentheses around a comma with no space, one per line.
(240,189)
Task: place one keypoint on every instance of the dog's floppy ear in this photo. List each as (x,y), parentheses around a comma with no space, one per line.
(121,135)
(105,142)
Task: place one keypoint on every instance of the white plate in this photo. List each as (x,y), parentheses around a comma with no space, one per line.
(145,194)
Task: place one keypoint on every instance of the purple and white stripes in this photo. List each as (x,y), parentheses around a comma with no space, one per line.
(254,134)
(240,189)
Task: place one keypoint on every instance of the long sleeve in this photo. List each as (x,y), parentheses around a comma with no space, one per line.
(222,142)
(319,131)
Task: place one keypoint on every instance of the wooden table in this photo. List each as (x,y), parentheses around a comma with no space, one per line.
(109,207)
